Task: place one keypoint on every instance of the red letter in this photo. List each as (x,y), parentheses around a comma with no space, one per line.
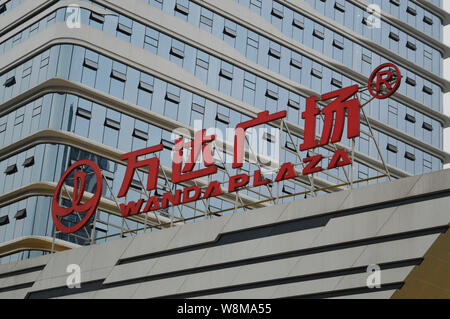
(311,167)
(237,181)
(168,197)
(213,190)
(152,204)
(340,158)
(287,171)
(186,194)
(385,81)
(131,209)
(257,181)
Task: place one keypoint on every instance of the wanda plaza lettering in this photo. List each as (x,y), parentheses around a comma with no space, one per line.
(384,81)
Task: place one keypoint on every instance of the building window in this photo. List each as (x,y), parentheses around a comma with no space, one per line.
(410,81)
(172,98)
(392,109)
(84,113)
(296,63)
(112,124)
(223,118)
(181,9)
(316,73)
(294,104)
(272,94)
(226,74)
(19,119)
(394,36)
(100,18)
(202,63)
(336,83)
(298,24)
(427,164)
(90,64)
(428,59)
(27,72)
(290,146)
(410,156)
(252,42)
(198,108)
(427,90)
(427,126)
(177,52)
(230,32)
(288,190)
(411,11)
(277,13)
(366,22)
(11,169)
(366,58)
(338,44)
(318,34)
(122,77)
(4,220)
(274,53)
(428,20)
(168,145)
(206,21)
(140,134)
(410,118)
(256,4)
(411,46)
(145,87)
(10,82)
(21,214)
(152,39)
(28,162)
(392,148)
(124,29)
(340,7)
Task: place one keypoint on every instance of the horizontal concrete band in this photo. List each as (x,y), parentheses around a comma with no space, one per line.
(199,38)
(39,243)
(289,250)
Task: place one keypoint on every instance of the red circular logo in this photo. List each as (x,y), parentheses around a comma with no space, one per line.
(387,81)
(79,186)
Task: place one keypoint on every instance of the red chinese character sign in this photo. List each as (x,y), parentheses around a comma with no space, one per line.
(341,113)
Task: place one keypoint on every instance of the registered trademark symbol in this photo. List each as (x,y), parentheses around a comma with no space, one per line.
(387,79)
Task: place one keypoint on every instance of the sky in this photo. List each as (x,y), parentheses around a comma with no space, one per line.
(447,76)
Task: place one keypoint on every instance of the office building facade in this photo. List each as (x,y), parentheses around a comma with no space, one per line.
(96,79)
